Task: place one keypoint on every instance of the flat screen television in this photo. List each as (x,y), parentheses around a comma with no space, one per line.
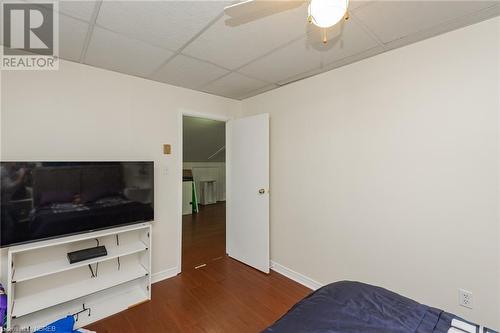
(41,200)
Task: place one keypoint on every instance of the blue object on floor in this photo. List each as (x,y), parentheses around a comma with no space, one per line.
(3,307)
(64,325)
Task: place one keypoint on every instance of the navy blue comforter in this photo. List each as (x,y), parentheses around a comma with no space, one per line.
(354,307)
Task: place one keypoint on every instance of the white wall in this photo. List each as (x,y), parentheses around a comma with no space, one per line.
(386,171)
(85,113)
(209,170)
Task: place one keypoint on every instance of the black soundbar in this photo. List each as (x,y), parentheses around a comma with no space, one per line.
(86,254)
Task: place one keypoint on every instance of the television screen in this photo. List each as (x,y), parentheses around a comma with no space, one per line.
(41,200)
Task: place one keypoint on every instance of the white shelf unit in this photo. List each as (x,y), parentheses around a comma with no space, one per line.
(43,286)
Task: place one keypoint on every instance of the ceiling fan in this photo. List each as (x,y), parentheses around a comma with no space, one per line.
(322,13)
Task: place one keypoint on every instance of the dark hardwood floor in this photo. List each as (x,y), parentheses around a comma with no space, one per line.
(223,296)
(204,236)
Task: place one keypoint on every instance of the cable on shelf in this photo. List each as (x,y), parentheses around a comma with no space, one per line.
(75,315)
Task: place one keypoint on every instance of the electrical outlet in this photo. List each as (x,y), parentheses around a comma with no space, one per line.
(465,298)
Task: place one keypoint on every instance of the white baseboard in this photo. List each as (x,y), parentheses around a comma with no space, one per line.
(289,273)
(295,276)
(165,274)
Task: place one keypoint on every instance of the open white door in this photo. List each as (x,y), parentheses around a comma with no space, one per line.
(247,192)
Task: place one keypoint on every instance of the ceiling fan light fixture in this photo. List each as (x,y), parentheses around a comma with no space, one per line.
(327,13)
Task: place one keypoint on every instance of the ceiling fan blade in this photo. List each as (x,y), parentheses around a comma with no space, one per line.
(251,10)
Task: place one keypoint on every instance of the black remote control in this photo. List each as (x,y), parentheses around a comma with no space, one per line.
(85,254)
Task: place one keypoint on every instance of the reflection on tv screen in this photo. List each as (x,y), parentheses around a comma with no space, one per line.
(42,200)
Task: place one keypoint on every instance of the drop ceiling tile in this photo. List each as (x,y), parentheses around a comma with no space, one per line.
(72,35)
(82,10)
(234,86)
(356,57)
(234,46)
(391,20)
(309,53)
(348,40)
(188,72)
(116,52)
(258,91)
(342,62)
(79,9)
(167,24)
(466,20)
(295,58)
(353,4)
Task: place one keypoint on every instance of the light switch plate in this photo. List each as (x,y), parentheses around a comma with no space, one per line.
(167,149)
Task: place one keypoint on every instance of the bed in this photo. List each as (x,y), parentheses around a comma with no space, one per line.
(354,307)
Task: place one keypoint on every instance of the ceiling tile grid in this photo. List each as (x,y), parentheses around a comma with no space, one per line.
(391,20)
(235,86)
(354,4)
(72,35)
(232,47)
(194,45)
(188,72)
(166,24)
(443,27)
(310,53)
(294,58)
(123,54)
(82,10)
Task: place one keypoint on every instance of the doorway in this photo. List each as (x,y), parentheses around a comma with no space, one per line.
(203,191)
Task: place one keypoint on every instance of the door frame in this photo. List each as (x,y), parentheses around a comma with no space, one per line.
(180,164)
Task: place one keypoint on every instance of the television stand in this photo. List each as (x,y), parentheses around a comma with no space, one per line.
(43,286)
